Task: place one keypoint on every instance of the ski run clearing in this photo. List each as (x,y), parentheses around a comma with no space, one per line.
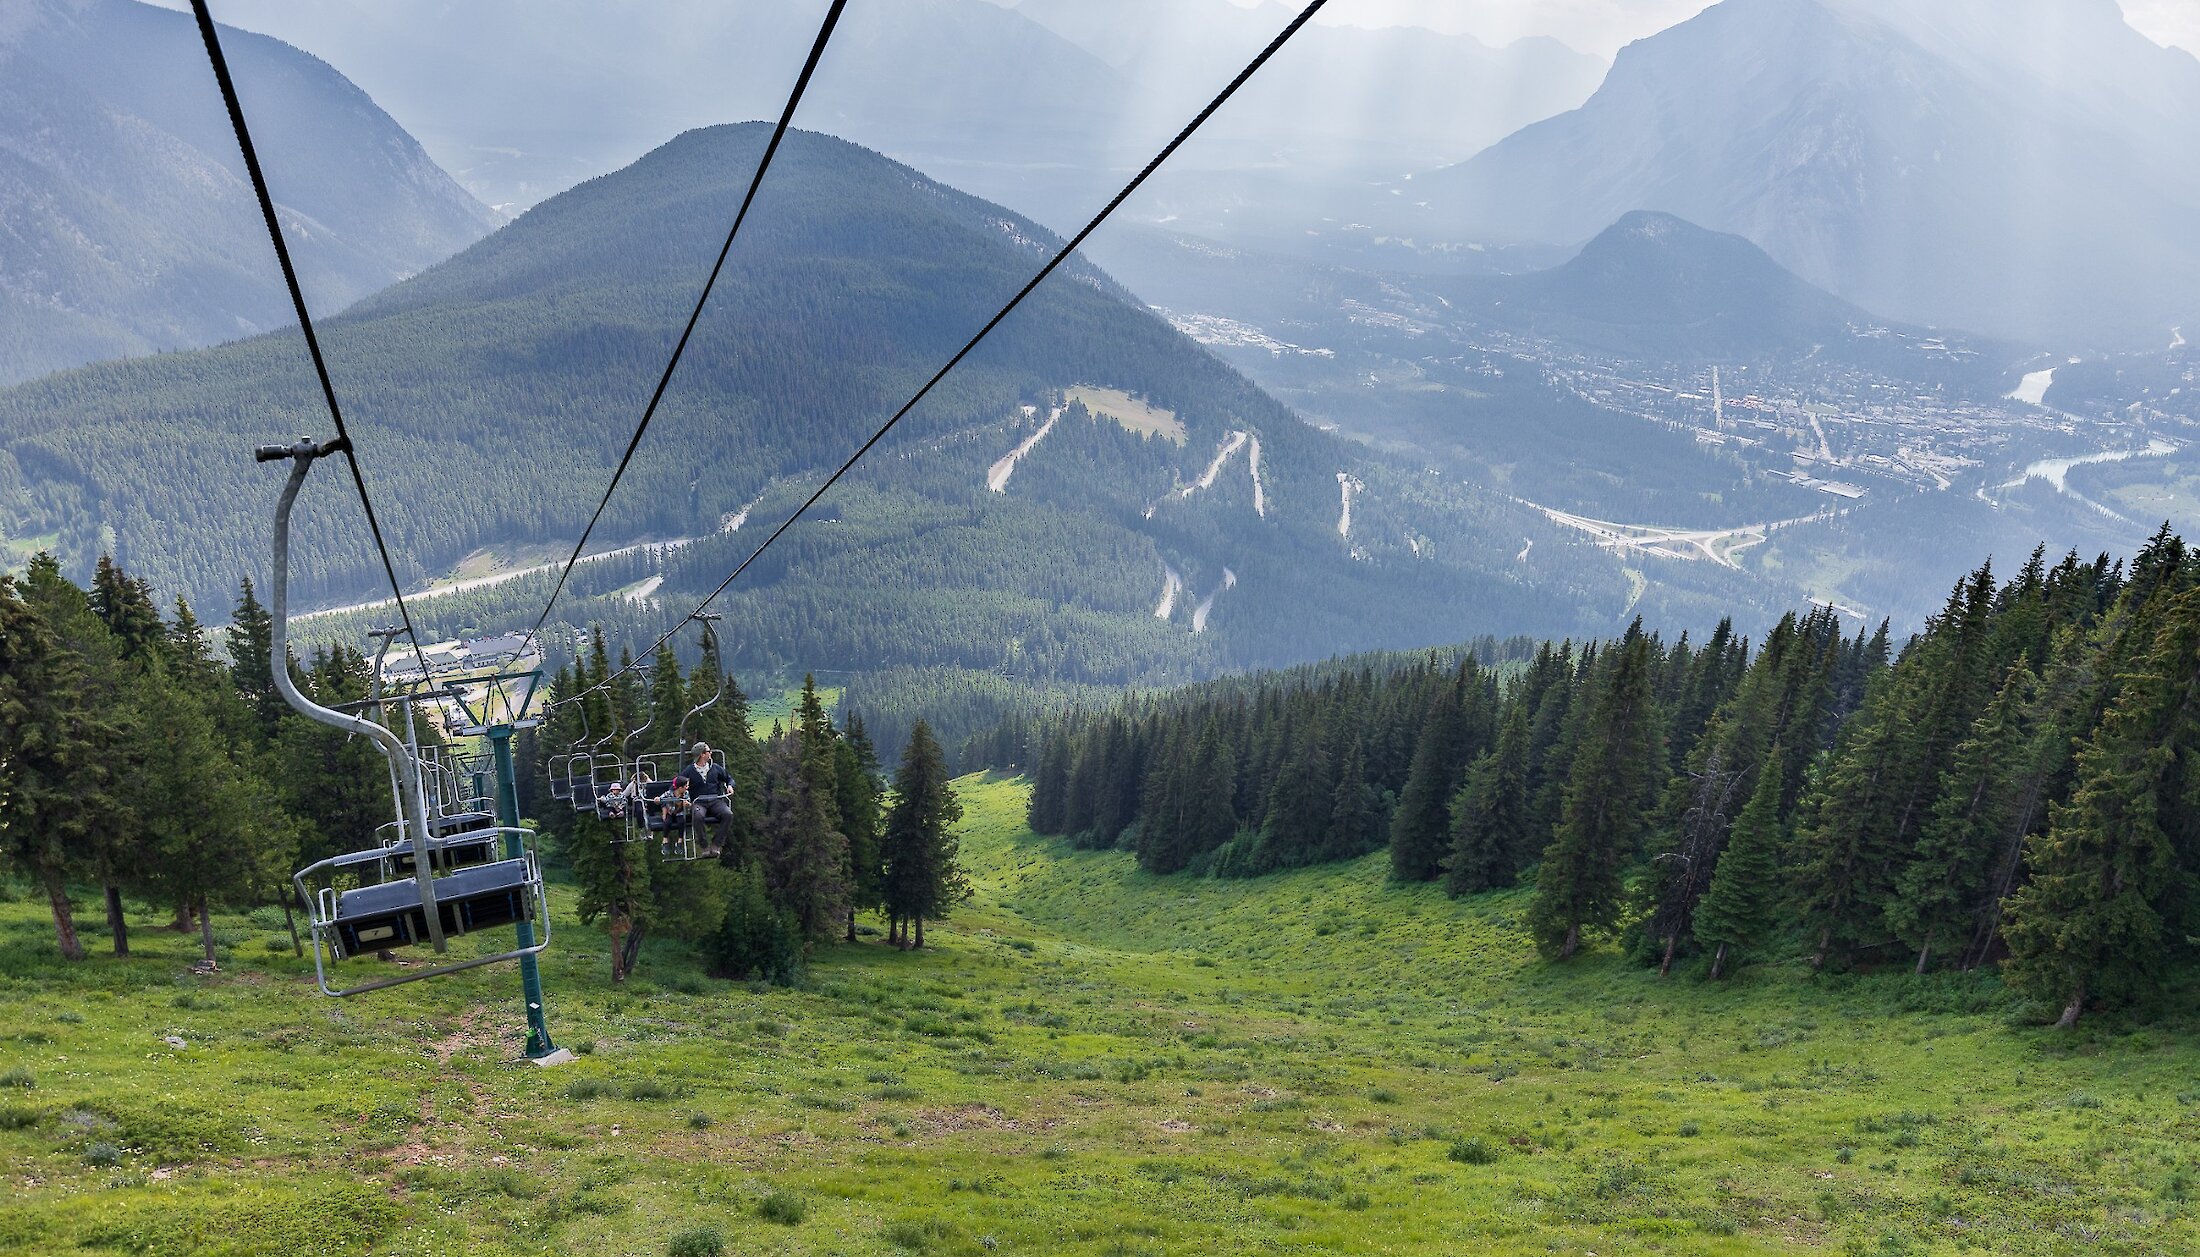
(1171,585)
(732,523)
(997,478)
(1199,614)
(1230,447)
(1347,484)
(1260,495)
(1137,416)
(1207,478)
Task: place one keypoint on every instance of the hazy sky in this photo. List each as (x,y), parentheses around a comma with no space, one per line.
(1603,26)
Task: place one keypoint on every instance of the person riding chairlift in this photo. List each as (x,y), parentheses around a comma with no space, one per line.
(627,792)
(707,788)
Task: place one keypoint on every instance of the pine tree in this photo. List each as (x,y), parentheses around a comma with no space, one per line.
(1614,777)
(856,777)
(1420,830)
(52,744)
(924,876)
(1489,814)
(1738,912)
(73,737)
(1355,812)
(1301,799)
(804,857)
(126,607)
(212,834)
(1880,791)
(1679,878)
(1937,894)
(251,642)
(2101,917)
(755,939)
(1050,785)
(1214,817)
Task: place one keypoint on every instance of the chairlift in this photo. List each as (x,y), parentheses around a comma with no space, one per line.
(684,843)
(572,775)
(429,884)
(633,795)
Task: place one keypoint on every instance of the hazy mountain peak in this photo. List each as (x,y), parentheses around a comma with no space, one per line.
(1654,282)
(2027,169)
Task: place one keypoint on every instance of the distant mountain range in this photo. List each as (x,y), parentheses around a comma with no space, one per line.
(2023,168)
(126,223)
(1038,105)
(1649,286)
(491,394)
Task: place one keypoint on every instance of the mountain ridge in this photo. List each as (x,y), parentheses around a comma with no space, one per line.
(129,225)
(1860,152)
(490,395)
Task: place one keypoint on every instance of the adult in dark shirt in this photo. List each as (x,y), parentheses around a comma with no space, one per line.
(709,787)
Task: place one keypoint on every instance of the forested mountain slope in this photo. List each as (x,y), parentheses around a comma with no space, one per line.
(126,223)
(491,395)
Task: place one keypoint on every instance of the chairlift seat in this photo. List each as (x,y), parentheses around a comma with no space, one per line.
(450,851)
(653,802)
(459,823)
(387,916)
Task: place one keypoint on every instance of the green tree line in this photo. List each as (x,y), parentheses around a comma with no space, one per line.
(143,760)
(2012,787)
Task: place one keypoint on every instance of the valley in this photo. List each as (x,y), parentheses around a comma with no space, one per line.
(1576,390)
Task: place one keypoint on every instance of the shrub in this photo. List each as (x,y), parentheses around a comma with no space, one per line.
(589,1089)
(755,940)
(785,1208)
(19,1078)
(652,1089)
(701,1241)
(1471,1151)
(698,1121)
(18,1117)
(584,1047)
(917,1237)
(102,1154)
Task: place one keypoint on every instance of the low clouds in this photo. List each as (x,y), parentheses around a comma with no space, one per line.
(1603,27)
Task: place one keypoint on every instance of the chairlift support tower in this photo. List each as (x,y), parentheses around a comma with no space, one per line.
(514,887)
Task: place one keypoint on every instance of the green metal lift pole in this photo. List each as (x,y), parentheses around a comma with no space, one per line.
(530,978)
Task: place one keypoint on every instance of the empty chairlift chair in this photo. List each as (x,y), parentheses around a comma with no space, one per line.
(428,885)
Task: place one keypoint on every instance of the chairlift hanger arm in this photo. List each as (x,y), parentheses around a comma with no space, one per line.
(303,455)
(710,651)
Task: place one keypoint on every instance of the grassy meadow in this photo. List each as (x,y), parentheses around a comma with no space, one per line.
(1090,1060)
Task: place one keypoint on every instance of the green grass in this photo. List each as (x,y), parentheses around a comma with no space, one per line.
(1091,1061)
(1137,416)
(767,709)
(15,552)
